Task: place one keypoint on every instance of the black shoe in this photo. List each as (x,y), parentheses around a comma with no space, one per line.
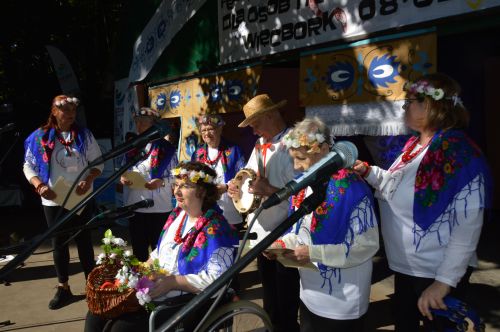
(62,298)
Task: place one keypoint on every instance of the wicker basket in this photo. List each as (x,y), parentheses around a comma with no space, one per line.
(109,302)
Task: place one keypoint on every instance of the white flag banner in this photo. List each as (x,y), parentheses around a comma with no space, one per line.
(168,19)
(253,28)
(119,96)
(67,79)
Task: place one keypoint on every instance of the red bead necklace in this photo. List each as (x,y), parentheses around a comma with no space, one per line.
(206,160)
(299,198)
(178,233)
(408,155)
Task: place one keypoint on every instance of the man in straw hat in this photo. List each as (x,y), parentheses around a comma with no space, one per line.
(274,168)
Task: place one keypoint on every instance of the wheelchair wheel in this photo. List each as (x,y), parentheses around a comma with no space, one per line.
(223,316)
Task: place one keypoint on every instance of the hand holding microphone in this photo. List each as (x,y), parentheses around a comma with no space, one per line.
(343,155)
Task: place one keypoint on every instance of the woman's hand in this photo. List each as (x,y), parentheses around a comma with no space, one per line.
(362,168)
(45,192)
(125,181)
(163,285)
(155,184)
(261,186)
(83,187)
(432,297)
(232,190)
(299,255)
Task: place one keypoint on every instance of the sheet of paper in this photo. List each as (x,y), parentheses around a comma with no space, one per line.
(61,188)
(136,178)
(288,262)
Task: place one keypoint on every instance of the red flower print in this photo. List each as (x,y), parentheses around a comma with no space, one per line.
(343,173)
(200,240)
(437,179)
(439,156)
(313,224)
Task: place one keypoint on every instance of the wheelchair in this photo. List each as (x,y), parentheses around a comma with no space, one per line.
(221,319)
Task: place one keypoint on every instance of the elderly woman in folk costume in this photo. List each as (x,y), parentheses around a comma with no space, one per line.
(145,226)
(432,201)
(195,247)
(224,157)
(61,148)
(339,238)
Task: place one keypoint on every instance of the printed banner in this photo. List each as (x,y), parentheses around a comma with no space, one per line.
(367,73)
(221,93)
(253,28)
(359,90)
(126,103)
(168,19)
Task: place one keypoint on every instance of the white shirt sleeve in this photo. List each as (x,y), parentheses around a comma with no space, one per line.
(364,245)
(464,236)
(220,260)
(93,151)
(29,172)
(28,167)
(375,177)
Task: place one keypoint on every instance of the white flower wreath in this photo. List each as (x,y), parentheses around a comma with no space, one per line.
(424,88)
(67,100)
(309,140)
(193,176)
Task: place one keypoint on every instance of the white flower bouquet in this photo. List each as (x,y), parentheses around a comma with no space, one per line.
(120,283)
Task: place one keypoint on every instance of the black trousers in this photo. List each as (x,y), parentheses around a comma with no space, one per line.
(145,229)
(310,322)
(83,242)
(407,290)
(281,290)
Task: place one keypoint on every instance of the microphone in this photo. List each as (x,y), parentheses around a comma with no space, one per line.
(344,155)
(157,131)
(7,127)
(121,211)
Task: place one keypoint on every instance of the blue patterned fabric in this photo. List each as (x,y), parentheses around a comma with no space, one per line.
(449,164)
(41,143)
(232,158)
(211,232)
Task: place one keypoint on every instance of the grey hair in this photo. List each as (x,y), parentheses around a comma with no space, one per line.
(312,125)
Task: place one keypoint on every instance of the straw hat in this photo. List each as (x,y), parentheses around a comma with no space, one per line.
(258,105)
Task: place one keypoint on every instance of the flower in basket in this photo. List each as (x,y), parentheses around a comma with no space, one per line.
(132,274)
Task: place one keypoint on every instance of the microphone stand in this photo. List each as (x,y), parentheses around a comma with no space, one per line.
(307,206)
(35,243)
(91,225)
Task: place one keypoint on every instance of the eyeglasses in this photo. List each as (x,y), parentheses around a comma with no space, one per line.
(206,131)
(408,101)
(181,186)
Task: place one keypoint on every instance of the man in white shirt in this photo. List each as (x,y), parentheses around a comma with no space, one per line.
(274,168)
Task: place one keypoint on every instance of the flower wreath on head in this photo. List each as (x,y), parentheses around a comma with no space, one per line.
(424,88)
(67,100)
(210,119)
(193,176)
(311,141)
